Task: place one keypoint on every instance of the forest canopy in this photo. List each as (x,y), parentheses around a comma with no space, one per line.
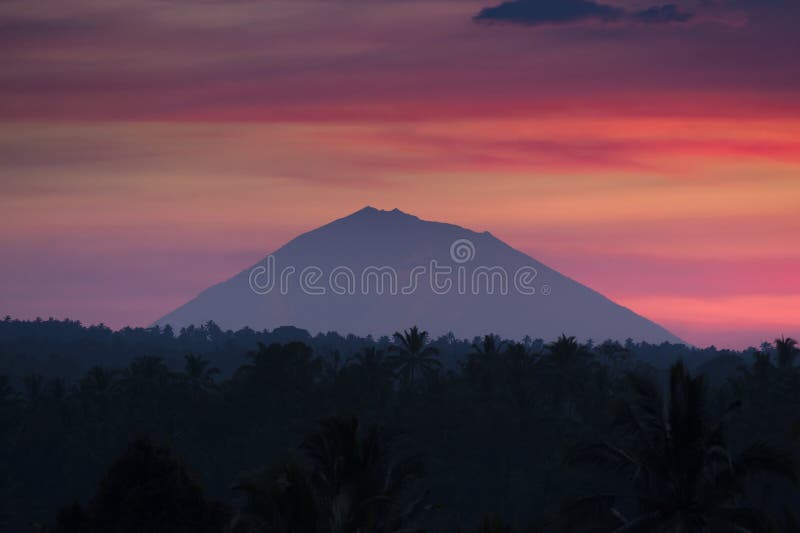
(156,430)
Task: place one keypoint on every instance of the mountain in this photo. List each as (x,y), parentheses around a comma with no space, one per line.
(492,287)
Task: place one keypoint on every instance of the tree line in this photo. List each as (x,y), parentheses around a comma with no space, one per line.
(294,433)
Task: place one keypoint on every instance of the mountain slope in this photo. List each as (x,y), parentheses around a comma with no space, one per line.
(353,253)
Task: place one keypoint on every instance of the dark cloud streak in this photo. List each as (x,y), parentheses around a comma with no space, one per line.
(537,12)
(566,12)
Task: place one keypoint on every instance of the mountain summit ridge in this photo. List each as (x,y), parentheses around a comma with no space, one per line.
(354,256)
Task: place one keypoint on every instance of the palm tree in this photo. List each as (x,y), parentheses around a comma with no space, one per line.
(566,350)
(482,362)
(413,357)
(371,360)
(786,352)
(376,368)
(355,483)
(490,346)
(565,370)
(685,477)
(615,355)
(519,367)
(198,372)
(360,481)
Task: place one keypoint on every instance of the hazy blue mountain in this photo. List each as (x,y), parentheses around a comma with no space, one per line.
(377,238)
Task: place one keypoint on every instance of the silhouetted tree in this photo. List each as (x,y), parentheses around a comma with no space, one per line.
(412,357)
(786,352)
(494,438)
(685,477)
(199,372)
(146,489)
(356,482)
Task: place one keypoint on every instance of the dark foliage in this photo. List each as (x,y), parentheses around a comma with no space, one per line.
(494,422)
(146,489)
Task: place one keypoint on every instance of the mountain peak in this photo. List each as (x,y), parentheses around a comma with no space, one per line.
(369,211)
(361,274)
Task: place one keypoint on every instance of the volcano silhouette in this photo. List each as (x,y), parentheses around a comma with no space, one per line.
(375,272)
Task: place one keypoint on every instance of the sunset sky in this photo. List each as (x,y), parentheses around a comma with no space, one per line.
(151,148)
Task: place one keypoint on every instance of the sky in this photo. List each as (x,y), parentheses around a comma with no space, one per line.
(151,148)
